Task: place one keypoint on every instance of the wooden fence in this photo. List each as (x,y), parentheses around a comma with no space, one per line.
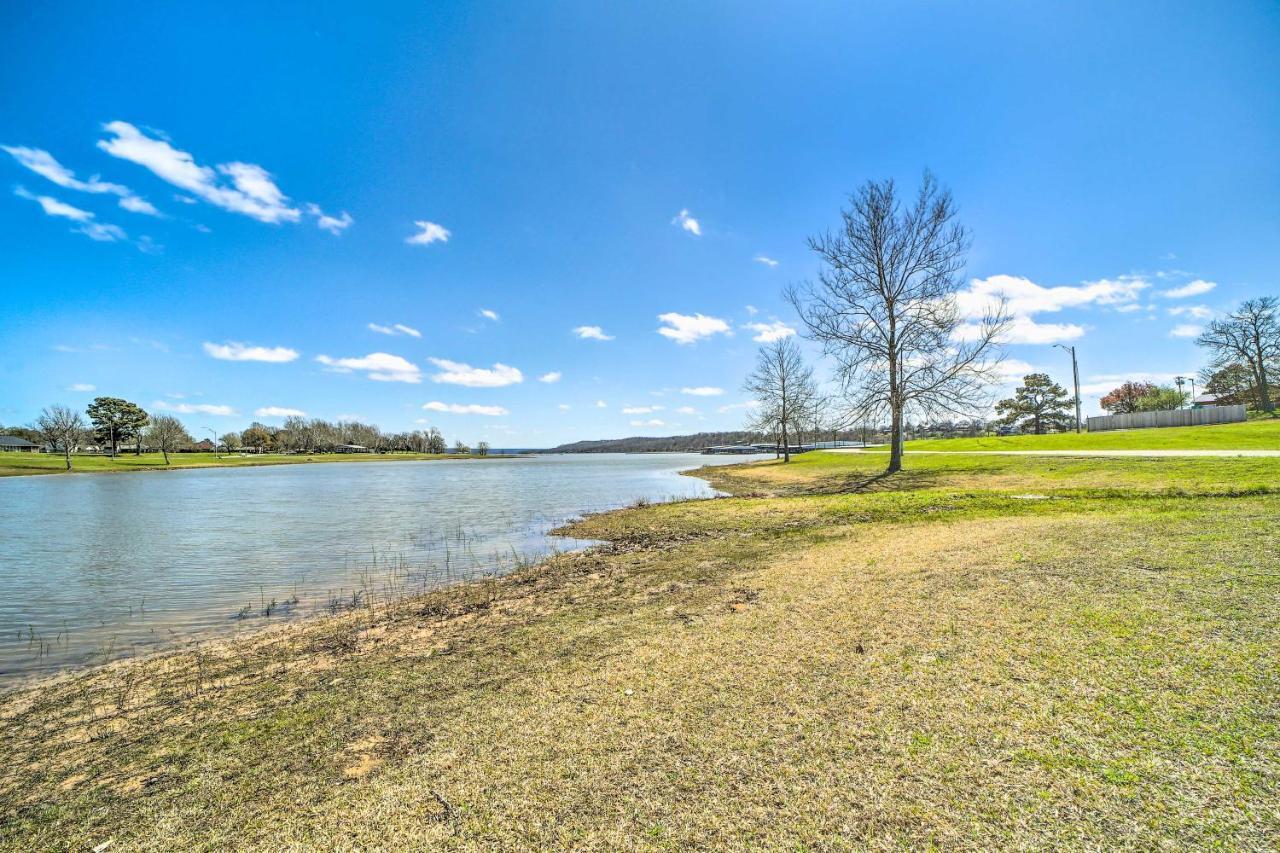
(1169,418)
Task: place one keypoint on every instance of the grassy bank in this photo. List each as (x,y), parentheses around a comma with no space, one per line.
(1005,653)
(16,464)
(1257,434)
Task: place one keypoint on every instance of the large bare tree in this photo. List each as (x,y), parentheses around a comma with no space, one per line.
(1250,335)
(62,428)
(783,386)
(884,307)
(167,433)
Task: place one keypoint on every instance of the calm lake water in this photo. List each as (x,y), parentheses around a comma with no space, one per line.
(99,566)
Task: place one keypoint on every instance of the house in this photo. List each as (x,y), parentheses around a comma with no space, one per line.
(13,444)
(1204,400)
(351,448)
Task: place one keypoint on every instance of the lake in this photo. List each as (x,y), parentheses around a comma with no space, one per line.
(100,566)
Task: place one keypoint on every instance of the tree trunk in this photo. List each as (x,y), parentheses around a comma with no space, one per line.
(895,439)
(166,455)
(66,453)
(786,445)
(1264,388)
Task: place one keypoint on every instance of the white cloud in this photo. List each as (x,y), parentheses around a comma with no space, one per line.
(564,407)
(592,333)
(601,404)
(553,376)
(745,404)
(687,328)
(490,314)
(1185,330)
(687,410)
(335,225)
(278,412)
(83,387)
(469,409)
(395,329)
(252,191)
(1026,298)
(380,367)
(44,164)
(193,408)
(688,223)
(1024,330)
(703,391)
(133,204)
(233,351)
(652,422)
(1196,312)
(753,310)
(766,260)
(429,232)
(457,373)
(102,232)
(641,410)
(767,333)
(1191,288)
(53,207)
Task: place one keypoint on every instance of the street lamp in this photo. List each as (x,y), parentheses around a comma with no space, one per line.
(215,442)
(1075,373)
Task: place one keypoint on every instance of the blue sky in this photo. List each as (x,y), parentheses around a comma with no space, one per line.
(209,211)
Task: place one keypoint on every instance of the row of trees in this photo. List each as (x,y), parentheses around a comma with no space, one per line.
(113,422)
(885,309)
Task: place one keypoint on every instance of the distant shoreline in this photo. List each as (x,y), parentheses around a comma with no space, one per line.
(35,464)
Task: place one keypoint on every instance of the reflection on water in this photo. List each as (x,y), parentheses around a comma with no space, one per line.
(96,566)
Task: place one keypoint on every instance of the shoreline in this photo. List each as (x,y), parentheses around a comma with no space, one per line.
(153,462)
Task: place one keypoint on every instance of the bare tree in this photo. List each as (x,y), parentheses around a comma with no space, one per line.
(783,385)
(167,433)
(1248,335)
(884,306)
(63,428)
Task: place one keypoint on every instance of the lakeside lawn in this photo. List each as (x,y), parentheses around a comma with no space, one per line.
(16,464)
(1255,434)
(991,652)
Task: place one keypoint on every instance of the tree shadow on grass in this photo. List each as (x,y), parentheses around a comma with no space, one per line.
(907,480)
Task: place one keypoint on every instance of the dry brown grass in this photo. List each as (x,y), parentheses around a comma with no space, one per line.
(809,672)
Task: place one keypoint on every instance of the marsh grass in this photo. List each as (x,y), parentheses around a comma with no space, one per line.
(944,666)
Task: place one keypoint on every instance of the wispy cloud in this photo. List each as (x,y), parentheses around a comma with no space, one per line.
(193,408)
(767,333)
(278,412)
(688,328)
(378,366)
(1196,312)
(592,333)
(732,407)
(601,404)
(1199,287)
(428,233)
(490,314)
(686,221)
(641,410)
(467,409)
(652,422)
(244,188)
(766,260)
(335,225)
(85,224)
(83,387)
(686,410)
(1185,330)
(395,329)
(553,376)
(703,391)
(46,165)
(235,351)
(1025,299)
(457,373)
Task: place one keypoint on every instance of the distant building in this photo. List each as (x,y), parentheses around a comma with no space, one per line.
(351,448)
(13,444)
(1204,400)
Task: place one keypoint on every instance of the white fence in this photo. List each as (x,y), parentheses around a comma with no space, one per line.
(1169,418)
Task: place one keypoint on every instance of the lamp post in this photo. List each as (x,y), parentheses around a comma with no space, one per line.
(1075,374)
(215,442)
(1180,381)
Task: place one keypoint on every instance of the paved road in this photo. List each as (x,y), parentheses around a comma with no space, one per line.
(1275,453)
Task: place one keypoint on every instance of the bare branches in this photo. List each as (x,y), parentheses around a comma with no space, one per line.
(783,385)
(884,308)
(62,428)
(1248,336)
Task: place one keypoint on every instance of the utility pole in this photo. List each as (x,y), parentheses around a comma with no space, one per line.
(215,442)
(1075,373)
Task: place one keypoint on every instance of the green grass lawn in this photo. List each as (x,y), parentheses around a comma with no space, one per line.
(980,653)
(1259,434)
(13,464)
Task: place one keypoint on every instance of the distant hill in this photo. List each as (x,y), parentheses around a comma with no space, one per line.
(660,444)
